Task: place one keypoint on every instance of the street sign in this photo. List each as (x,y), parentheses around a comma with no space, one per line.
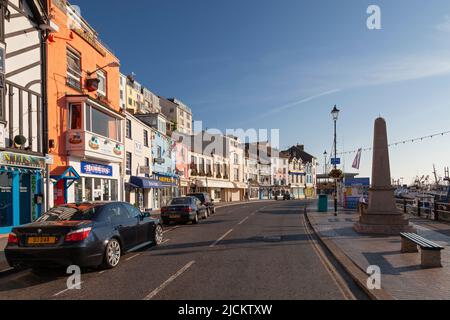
(335,161)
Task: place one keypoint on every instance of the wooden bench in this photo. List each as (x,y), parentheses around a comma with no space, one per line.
(430,251)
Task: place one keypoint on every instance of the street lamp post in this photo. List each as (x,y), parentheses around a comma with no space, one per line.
(335,115)
(325,163)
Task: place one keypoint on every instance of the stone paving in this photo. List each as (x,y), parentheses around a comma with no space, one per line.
(402,276)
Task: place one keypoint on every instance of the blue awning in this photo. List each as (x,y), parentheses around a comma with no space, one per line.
(145,183)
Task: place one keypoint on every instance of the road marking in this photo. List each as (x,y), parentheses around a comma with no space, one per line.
(243,221)
(221,238)
(165,241)
(101,272)
(132,257)
(65,290)
(338,280)
(168,281)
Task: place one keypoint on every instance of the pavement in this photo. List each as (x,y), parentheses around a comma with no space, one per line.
(247,251)
(402,277)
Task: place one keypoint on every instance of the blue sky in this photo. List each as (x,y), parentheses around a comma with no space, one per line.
(284,64)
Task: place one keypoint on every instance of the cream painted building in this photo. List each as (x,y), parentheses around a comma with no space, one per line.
(177,112)
(138,161)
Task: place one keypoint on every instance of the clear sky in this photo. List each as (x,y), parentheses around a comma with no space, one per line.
(284,64)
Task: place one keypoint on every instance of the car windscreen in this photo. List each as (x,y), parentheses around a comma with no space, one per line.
(199,196)
(178,201)
(68,214)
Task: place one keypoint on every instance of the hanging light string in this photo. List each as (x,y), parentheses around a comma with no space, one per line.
(407,141)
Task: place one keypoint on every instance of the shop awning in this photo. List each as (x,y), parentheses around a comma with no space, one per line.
(144,183)
(214,184)
(64,173)
(240,185)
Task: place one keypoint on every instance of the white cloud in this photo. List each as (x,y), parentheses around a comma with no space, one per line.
(445,25)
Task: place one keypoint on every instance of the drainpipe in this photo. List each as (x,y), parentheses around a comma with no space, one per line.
(45,146)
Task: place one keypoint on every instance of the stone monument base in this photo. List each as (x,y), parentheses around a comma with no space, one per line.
(383,224)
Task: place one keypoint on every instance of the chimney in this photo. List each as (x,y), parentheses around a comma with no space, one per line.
(301,147)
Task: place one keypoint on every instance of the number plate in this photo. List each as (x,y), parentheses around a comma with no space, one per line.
(174,216)
(41,240)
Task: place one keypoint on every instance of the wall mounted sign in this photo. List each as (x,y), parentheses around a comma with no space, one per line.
(96,169)
(22,160)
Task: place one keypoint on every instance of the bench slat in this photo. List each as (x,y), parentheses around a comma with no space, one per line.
(421,241)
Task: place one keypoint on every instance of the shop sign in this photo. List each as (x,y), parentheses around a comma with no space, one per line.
(96,169)
(22,160)
(166,180)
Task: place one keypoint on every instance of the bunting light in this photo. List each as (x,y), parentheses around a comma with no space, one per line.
(395,144)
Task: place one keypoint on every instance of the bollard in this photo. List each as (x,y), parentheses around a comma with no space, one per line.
(405,206)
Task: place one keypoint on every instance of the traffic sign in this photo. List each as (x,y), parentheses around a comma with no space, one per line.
(335,161)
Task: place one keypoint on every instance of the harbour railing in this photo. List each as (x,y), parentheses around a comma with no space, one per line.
(438,211)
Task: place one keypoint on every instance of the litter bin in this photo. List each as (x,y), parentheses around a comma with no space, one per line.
(323,203)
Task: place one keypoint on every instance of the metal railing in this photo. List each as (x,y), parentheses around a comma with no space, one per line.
(438,211)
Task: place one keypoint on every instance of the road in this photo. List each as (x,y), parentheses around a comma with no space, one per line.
(254,251)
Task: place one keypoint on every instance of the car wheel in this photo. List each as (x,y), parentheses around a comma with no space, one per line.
(113,253)
(159,235)
(195,219)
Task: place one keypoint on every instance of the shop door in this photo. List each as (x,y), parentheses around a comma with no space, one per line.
(25,198)
(59,193)
(6,200)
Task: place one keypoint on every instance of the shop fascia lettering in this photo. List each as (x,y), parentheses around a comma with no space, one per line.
(22,160)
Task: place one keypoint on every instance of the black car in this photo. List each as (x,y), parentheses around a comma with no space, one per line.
(206,201)
(184,209)
(87,235)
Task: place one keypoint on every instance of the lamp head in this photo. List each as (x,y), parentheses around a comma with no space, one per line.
(335,113)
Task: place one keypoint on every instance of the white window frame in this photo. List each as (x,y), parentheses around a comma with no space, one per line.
(102,75)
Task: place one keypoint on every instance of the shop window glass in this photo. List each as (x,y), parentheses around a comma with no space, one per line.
(106,190)
(25,198)
(88,189)
(6,213)
(114,190)
(98,189)
(78,191)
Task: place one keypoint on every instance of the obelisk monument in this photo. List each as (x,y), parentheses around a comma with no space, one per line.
(382,216)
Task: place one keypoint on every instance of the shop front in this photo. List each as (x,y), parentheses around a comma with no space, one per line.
(218,190)
(95,154)
(97,182)
(21,189)
(298,192)
(165,190)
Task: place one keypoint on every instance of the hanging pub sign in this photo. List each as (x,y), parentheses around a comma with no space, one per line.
(96,169)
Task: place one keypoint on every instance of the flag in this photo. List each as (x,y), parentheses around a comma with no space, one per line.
(357,160)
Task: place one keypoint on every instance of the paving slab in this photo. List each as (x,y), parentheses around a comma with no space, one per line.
(402,276)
